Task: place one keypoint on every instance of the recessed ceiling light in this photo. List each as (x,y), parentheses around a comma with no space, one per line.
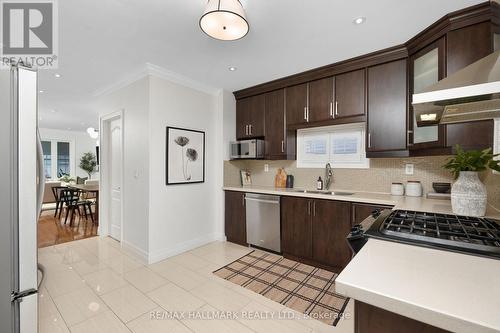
(232,69)
(41,91)
(57,75)
(359,20)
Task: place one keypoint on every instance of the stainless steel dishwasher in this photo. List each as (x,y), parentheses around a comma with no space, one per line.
(263,221)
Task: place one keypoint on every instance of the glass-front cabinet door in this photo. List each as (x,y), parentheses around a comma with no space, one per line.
(426,68)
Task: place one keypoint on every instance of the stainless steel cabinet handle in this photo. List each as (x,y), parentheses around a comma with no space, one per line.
(309,207)
(305,113)
(336,108)
(243,199)
(314,208)
(331,109)
(369,140)
(282,146)
(246,129)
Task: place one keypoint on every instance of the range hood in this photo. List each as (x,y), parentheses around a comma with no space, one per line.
(472,93)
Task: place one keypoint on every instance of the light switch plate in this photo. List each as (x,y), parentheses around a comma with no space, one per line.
(266,167)
(409,168)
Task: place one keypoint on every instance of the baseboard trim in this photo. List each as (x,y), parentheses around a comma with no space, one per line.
(138,253)
(184,246)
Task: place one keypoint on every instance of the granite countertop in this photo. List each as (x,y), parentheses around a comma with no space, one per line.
(399,202)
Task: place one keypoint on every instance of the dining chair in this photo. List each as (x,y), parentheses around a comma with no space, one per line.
(73,202)
(56,191)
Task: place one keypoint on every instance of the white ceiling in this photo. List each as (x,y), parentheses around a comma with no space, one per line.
(100,41)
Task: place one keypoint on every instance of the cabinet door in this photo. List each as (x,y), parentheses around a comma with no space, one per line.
(465,46)
(321,99)
(331,224)
(387,111)
(296,104)
(256,115)
(235,217)
(361,211)
(242,117)
(275,125)
(426,68)
(296,231)
(350,94)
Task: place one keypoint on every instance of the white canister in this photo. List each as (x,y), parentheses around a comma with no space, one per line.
(414,188)
(397,189)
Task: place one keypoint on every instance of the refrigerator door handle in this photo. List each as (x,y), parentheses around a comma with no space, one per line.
(41,174)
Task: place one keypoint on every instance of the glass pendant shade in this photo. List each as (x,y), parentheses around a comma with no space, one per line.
(224,20)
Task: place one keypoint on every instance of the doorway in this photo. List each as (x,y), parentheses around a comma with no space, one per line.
(111,165)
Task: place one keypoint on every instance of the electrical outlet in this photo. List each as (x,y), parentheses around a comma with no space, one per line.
(266,167)
(409,168)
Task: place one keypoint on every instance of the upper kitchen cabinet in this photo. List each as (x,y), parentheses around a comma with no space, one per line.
(465,46)
(387,109)
(321,100)
(427,67)
(349,94)
(250,116)
(296,104)
(275,134)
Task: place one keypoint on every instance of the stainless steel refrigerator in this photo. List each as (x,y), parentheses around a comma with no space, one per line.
(21,189)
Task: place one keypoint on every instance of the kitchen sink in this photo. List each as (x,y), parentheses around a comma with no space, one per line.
(323,192)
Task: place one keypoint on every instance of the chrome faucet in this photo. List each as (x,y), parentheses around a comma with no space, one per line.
(328,176)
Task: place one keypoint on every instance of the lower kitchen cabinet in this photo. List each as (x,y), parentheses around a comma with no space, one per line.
(235,217)
(315,231)
(370,319)
(331,224)
(361,211)
(296,227)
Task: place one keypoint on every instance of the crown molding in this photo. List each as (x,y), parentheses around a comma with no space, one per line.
(149,69)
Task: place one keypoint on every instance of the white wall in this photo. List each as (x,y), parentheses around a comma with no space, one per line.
(182,216)
(80,143)
(134,101)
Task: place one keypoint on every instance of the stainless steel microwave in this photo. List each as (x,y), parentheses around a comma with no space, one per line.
(247,149)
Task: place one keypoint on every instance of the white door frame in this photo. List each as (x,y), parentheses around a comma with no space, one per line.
(104,170)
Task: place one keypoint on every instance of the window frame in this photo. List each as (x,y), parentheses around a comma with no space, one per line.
(53,157)
(360,160)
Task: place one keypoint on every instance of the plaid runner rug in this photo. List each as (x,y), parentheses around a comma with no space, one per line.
(301,287)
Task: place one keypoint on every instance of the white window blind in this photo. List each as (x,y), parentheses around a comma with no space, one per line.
(343,146)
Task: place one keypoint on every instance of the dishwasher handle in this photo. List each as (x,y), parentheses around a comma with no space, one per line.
(275,202)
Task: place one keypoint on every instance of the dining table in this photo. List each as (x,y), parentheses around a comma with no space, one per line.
(92,189)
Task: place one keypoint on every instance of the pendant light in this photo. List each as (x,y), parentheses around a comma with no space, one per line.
(224,20)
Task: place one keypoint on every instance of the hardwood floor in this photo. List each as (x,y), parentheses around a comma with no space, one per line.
(52,231)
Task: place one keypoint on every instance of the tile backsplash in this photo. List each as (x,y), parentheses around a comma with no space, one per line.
(377,178)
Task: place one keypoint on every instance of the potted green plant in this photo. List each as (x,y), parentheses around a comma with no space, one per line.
(468,193)
(88,163)
(67,179)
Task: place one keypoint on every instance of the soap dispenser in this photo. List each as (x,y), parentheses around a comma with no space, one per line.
(319,185)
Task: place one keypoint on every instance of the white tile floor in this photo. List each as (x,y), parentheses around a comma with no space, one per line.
(93,286)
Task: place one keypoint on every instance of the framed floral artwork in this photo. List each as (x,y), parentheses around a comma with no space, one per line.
(185,162)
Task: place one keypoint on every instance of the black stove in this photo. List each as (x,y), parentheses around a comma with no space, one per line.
(471,235)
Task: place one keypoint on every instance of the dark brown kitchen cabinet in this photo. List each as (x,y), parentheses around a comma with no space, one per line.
(370,319)
(387,107)
(330,226)
(250,116)
(296,227)
(235,217)
(427,67)
(361,211)
(463,47)
(315,231)
(296,104)
(276,145)
(321,100)
(349,94)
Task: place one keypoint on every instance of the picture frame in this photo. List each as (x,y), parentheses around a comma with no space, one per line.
(185,156)
(245,177)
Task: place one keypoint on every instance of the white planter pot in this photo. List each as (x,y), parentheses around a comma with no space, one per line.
(468,195)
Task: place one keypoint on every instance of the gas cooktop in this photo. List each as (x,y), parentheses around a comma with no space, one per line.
(471,235)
